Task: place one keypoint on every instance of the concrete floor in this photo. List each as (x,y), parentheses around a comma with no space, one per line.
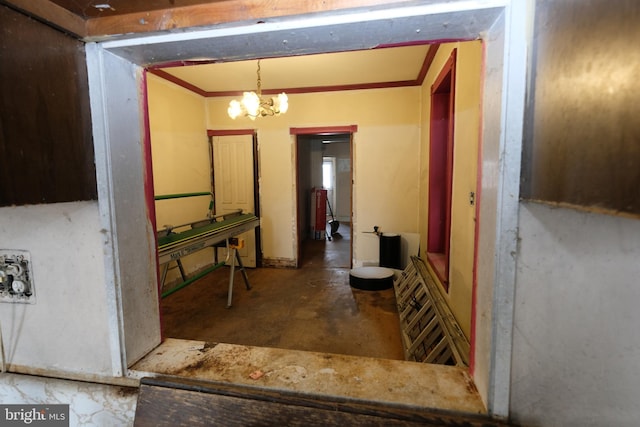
(311,308)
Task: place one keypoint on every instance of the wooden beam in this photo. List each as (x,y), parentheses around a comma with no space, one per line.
(170,401)
(215,12)
(52,14)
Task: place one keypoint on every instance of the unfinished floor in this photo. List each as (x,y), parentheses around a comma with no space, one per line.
(302,331)
(311,308)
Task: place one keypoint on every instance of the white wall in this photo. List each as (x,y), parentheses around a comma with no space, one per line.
(341,151)
(66,330)
(576,347)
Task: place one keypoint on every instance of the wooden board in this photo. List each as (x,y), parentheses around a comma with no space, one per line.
(46,147)
(172,401)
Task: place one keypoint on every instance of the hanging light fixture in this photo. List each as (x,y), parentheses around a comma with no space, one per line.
(252,104)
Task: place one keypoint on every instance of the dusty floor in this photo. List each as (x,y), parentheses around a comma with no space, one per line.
(410,384)
(312,308)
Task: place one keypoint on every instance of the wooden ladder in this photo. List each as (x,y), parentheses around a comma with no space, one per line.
(430,332)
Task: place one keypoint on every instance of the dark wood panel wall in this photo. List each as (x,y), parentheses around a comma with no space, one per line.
(582,139)
(46,147)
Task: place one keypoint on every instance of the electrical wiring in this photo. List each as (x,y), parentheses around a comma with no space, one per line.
(3,368)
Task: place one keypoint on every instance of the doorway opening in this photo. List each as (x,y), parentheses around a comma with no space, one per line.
(117,137)
(324,191)
(329,180)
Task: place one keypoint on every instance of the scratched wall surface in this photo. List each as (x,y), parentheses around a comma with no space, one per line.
(575,336)
(582,143)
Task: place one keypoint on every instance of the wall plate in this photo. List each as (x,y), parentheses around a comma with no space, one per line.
(16,277)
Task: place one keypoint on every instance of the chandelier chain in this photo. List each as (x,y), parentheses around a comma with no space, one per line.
(259,80)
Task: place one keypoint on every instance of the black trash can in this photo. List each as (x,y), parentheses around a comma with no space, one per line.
(390,255)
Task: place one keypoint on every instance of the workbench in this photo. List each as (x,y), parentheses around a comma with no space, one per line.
(210,232)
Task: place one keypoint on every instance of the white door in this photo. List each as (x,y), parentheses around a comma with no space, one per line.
(234,184)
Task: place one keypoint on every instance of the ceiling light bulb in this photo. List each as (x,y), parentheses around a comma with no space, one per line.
(283,103)
(251,103)
(235,109)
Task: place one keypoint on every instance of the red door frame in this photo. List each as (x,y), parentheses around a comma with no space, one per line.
(441,169)
(323,130)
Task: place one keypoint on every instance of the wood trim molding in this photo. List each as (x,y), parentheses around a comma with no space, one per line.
(300,90)
(230,132)
(207,14)
(178,81)
(327,130)
(428,60)
(317,89)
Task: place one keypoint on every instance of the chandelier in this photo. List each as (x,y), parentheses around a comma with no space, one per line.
(253,105)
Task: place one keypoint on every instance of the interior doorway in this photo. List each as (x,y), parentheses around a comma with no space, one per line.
(323,161)
(114,87)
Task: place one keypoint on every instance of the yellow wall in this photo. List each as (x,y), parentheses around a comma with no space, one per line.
(466,143)
(385,163)
(180,155)
(390,162)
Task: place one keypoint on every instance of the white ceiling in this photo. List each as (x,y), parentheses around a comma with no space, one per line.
(365,67)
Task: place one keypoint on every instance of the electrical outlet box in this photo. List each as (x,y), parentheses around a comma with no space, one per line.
(16,278)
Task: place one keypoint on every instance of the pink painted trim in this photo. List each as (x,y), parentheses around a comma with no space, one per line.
(316,89)
(403,44)
(328,130)
(428,60)
(149,196)
(441,163)
(230,132)
(452,63)
(431,52)
(176,80)
(174,64)
(422,42)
